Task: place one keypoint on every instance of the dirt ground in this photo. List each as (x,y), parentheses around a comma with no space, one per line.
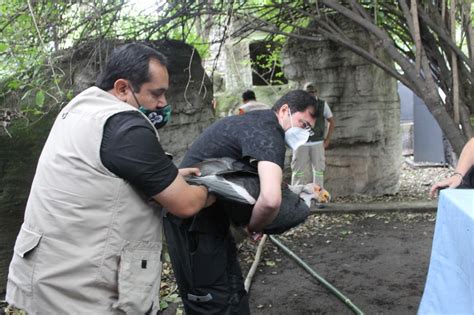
(378,261)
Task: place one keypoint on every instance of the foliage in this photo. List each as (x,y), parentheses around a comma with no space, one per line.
(270,62)
(33,34)
(10,310)
(36,33)
(429,43)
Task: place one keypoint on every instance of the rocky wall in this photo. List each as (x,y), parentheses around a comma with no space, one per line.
(238,72)
(190,94)
(365,150)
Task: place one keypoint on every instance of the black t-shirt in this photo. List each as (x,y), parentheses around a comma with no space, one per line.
(131,150)
(468,180)
(254,136)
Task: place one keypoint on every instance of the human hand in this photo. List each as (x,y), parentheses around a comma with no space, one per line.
(211,198)
(254,236)
(450,182)
(189,171)
(326,143)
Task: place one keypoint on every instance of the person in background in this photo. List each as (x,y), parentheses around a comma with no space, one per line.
(250,103)
(202,249)
(463,176)
(91,238)
(308,162)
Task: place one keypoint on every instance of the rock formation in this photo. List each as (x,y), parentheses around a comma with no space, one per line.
(365,150)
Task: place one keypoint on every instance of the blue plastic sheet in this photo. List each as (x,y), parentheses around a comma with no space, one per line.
(449,287)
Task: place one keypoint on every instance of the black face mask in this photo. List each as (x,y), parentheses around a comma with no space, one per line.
(158,117)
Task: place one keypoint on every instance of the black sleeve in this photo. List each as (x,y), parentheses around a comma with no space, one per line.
(468,180)
(131,150)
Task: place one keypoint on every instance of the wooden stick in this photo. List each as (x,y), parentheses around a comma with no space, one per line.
(253,268)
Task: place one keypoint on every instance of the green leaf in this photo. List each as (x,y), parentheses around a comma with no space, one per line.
(172,298)
(3,47)
(39,98)
(270,263)
(163,305)
(14,84)
(70,94)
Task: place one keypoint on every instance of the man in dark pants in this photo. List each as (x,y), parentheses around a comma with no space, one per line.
(202,250)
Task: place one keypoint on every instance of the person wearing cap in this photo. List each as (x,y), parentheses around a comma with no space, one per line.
(308,162)
(250,103)
(91,238)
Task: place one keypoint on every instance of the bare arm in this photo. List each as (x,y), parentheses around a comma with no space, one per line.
(330,130)
(466,161)
(184,200)
(268,203)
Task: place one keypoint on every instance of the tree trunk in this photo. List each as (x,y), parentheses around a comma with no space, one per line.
(468,28)
(454,64)
(416,35)
(447,124)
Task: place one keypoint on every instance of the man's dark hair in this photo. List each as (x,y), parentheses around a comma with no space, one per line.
(310,88)
(248,95)
(129,62)
(298,101)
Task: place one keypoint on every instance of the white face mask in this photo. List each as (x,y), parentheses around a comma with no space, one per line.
(295,136)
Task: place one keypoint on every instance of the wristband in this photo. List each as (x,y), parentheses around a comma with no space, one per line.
(457,173)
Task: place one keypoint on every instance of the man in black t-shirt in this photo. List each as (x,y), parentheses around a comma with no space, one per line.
(201,248)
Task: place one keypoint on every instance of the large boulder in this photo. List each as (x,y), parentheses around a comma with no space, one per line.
(190,92)
(365,151)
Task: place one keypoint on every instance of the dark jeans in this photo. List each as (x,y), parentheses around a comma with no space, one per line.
(204,259)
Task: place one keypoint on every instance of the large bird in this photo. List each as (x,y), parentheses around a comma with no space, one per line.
(237,185)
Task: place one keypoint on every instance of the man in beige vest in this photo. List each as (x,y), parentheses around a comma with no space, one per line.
(92,234)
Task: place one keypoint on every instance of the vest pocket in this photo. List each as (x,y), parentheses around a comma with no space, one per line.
(139,277)
(24,259)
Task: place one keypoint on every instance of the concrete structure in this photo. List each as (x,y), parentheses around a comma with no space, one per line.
(406,119)
(365,152)
(428,137)
(421,135)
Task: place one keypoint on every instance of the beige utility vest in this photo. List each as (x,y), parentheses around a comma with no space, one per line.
(90,243)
